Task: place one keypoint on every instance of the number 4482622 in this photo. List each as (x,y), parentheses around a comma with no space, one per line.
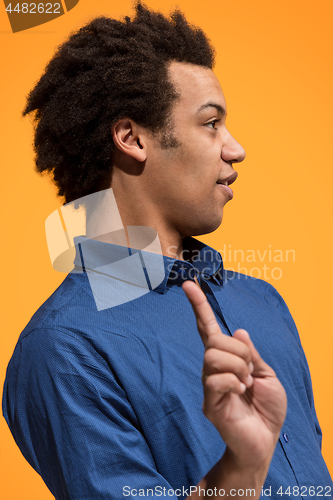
(304,491)
(34,8)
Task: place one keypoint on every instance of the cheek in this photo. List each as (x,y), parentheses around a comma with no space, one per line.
(191,167)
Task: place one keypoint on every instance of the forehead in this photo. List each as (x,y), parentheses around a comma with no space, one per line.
(196,85)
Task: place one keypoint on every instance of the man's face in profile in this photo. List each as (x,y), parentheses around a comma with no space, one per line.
(189,182)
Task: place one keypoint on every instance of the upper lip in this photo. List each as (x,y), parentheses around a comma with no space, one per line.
(228,180)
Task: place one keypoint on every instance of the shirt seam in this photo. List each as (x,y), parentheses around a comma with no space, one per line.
(71,334)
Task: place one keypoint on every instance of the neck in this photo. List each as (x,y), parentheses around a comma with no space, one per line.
(116,223)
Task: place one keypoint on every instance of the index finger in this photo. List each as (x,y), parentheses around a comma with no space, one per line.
(206,321)
(208,327)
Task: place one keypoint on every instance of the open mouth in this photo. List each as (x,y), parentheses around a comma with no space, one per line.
(228,180)
(225,183)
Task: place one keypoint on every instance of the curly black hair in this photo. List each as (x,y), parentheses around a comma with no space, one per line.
(106,71)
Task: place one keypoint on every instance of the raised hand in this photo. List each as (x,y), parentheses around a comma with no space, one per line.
(243,398)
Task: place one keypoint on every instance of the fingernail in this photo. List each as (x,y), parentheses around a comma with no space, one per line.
(243,386)
(249,381)
(251,367)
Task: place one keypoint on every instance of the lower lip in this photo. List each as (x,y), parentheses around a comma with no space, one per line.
(228,190)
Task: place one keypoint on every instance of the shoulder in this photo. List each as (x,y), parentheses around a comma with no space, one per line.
(263,292)
(59,332)
(256,286)
(71,295)
(69,329)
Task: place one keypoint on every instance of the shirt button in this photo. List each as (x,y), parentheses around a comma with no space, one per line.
(285,437)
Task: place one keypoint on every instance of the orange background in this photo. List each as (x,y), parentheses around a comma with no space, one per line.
(274,64)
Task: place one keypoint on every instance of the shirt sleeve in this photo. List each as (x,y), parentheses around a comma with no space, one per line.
(272,296)
(73,422)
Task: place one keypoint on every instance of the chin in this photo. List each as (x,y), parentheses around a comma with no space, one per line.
(205,227)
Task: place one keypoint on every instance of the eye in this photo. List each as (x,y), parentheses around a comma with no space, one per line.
(212,124)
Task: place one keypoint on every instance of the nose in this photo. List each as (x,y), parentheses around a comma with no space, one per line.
(232,151)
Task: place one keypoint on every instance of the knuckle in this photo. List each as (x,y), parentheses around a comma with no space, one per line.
(206,324)
(210,356)
(231,382)
(222,383)
(215,361)
(230,379)
(212,384)
(241,368)
(214,339)
(245,353)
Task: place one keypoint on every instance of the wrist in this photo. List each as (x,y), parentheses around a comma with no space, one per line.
(247,465)
(232,474)
(243,474)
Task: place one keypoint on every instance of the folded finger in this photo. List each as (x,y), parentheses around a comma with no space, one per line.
(260,367)
(217,361)
(216,387)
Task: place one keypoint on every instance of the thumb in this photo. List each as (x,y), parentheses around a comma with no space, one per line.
(260,367)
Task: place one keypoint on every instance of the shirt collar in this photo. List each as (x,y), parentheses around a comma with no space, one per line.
(160,272)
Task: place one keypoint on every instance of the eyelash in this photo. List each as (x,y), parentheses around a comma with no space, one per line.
(213,122)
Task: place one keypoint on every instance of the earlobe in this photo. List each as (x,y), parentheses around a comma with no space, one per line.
(125,135)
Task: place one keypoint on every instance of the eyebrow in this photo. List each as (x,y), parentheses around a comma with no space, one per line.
(218,107)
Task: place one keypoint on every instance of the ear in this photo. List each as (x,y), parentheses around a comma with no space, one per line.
(129,139)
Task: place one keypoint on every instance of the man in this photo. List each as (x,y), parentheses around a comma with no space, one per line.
(106,402)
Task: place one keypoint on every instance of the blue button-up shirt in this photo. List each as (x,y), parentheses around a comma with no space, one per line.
(104,397)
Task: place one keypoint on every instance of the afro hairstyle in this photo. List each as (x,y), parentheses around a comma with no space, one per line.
(106,71)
